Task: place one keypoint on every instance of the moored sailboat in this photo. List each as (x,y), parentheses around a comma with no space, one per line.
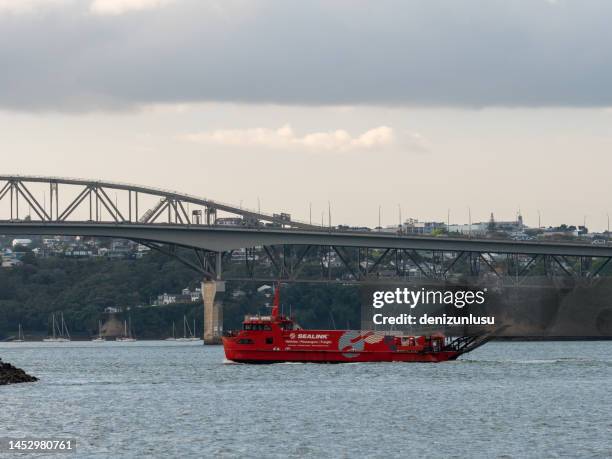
(99,338)
(127,333)
(173,337)
(20,338)
(186,328)
(59,332)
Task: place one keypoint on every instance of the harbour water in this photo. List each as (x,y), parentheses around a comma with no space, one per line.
(164,399)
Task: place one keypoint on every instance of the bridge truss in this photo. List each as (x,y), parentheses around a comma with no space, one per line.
(58,199)
(275,248)
(348,265)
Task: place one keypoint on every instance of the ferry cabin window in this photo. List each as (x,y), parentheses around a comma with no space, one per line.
(287,326)
(245,341)
(269,340)
(256,327)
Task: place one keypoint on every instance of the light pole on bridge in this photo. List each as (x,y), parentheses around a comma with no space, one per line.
(470,222)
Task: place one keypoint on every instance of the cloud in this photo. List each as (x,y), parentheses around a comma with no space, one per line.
(286,138)
(116,7)
(28,6)
(465,53)
(99,7)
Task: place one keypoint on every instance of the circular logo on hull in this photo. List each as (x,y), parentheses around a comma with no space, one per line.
(349,348)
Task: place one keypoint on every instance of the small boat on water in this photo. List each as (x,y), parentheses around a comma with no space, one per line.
(127,333)
(173,337)
(278,338)
(20,338)
(186,328)
(59,332)
(99,338)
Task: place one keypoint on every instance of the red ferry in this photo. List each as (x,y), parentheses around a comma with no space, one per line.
(277,338)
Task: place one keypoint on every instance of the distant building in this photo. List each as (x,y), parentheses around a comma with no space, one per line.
(186,296)
(166,298)
(193,296)
(565,230)
(78,252)
(22,242)
(515,226)
(581,231)
(413,226)
(492,226)
(264,289)
(141,250)
(9,259)
(473,229)
(242,255)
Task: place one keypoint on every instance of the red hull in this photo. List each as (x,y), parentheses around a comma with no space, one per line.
(257,356)
(275,344)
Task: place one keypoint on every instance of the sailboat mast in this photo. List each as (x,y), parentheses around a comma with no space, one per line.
(53,326)
(65,333)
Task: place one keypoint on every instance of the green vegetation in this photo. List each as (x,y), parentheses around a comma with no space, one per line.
(82,289)
(325,306)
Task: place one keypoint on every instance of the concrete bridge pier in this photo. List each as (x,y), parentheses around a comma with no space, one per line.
(213,311)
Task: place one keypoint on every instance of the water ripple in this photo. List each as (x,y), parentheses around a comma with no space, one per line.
(166,400)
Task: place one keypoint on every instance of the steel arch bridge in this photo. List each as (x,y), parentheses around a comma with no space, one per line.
(264,246)
(95,196)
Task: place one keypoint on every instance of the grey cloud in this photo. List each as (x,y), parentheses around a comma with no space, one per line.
(464,53)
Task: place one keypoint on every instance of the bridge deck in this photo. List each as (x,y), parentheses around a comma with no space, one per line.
(217,238)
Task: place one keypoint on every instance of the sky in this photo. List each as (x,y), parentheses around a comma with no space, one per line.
(419,107)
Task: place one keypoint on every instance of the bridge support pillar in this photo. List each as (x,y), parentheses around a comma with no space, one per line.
(213,311)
